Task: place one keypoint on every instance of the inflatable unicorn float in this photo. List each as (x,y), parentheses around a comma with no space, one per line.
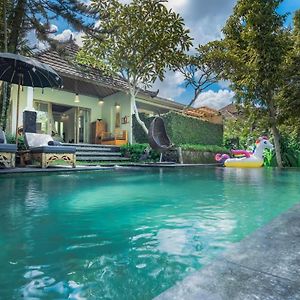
(245,158)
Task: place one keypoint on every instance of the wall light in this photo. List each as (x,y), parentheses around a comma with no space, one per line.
(100,102)
(117,105)
(77,100)
(64,117)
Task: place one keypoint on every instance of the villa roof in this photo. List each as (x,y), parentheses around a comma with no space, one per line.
(88,80)
(229,112)
(205,113)
(62,60)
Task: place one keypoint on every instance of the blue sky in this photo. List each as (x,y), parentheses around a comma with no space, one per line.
(205,20)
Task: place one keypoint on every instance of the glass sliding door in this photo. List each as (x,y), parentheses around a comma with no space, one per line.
(70,124)
(82,125)
(43,117)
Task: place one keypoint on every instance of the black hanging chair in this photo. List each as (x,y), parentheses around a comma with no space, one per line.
(158,137)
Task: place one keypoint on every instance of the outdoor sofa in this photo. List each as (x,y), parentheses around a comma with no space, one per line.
(45,150)
(7,152)
(118,138)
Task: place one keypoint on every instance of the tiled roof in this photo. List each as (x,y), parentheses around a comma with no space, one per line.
(63,61)
(205,113)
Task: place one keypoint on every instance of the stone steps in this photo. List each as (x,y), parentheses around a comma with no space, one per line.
(101,158)
(97,153)
(92,153)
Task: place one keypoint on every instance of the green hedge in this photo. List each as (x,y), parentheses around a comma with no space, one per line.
(205,148)
(136,151)
(182,130)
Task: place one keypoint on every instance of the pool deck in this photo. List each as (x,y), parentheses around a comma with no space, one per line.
(264,266)
(56,169)
(127,166)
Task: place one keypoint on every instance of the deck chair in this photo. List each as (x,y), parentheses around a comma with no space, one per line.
(7,152)
(44,150)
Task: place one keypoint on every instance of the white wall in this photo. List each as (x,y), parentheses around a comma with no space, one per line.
(59,97)
(109,111)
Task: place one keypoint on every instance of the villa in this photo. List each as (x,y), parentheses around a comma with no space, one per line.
(87,96)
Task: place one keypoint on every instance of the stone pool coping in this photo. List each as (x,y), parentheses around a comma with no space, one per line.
(68,169)
(56,169)
(265,265)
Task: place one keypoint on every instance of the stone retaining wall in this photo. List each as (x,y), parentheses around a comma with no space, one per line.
(198,157)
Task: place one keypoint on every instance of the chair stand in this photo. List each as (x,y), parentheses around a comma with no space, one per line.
(46,158)
(7,159)
(161,157)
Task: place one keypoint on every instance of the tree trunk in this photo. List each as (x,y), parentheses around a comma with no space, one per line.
(4,105)
(16,26)
(136,112)
(4,94)
(276,136)
(5,25)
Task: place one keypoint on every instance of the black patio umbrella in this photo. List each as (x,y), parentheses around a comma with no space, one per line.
(26,71)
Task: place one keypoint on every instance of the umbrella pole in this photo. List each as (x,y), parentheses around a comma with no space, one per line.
(17,119)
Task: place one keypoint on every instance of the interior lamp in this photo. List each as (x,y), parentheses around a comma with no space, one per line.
(76,98)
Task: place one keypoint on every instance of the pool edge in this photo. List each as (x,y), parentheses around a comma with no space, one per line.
(264,265)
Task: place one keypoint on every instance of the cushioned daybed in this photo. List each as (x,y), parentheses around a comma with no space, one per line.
(44,150)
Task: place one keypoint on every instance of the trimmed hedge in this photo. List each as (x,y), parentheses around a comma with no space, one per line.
(182,130)
(205,148)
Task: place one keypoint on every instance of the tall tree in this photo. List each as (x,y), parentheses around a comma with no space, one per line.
(257,43)
(289,95)
(203,68)
(19,17)
(23,16)
(140,41)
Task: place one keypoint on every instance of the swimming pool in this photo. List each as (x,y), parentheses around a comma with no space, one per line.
(128,234)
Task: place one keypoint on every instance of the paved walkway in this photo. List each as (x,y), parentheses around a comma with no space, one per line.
(265,266)
(56,169)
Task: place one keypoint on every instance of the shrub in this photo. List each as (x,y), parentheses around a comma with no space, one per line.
(136,151)
(290,153)
(11,139)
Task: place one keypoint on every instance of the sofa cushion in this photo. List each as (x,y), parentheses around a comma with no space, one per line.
(2,137)
(54,143)
(53,149)
(33,140)
(10,148)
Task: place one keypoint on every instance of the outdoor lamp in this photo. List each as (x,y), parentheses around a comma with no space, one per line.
(100,102)
(117,106)
(76,98)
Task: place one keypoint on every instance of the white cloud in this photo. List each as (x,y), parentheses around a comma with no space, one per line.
(171,87)
(215,100)
(224,84)
(177,5)
(53,28)
(66,34)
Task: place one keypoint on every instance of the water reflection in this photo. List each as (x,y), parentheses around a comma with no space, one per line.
(128,235)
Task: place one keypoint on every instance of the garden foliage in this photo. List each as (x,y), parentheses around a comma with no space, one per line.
(183,130)
(136,151)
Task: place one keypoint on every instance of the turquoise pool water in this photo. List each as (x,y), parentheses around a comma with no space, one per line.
(128,234)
